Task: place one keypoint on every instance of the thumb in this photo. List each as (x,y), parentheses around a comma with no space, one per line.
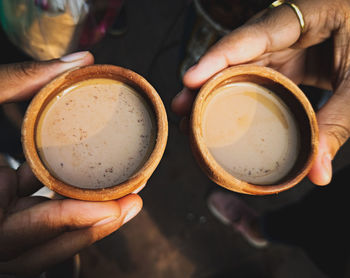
(20,81)
(334,128)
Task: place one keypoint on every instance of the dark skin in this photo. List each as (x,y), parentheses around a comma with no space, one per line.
(320,57)
(36,232)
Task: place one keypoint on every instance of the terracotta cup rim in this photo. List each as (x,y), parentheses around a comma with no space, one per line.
(67,79)
(207,162)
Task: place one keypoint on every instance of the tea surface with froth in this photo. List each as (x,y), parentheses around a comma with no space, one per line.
(96,134)
(251,133)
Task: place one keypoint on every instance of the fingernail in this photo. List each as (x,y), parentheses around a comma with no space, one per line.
(74,56)
(131,214)
(105,221)
(192,68)
(327,166)
(137,190)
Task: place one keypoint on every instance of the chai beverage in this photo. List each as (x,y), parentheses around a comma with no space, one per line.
(251,133)
(96,133)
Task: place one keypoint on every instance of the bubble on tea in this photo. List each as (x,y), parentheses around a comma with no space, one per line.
(251,133)
(96,134)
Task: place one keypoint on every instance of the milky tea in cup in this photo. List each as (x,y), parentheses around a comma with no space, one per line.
(96,133)
(251,132)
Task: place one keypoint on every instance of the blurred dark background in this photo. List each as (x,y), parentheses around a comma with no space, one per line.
(175,235)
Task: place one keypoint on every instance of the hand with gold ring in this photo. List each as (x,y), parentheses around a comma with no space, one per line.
(315,52)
